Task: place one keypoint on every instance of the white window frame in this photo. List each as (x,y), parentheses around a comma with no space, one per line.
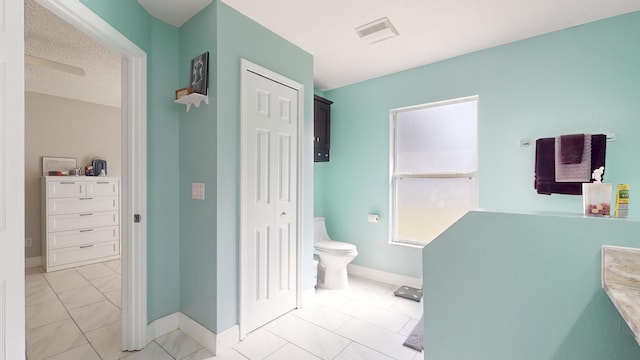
(393,176)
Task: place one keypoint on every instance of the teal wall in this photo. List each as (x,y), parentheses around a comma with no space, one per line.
(199,164)
(583,79)
(501,286)
(318,188)
(240,37)
(193,244)
(160,42)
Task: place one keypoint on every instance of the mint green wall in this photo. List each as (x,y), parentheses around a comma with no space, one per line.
(583,79)
(193,244)
(318,189)
(501,286)
(160,42)
(198,164)
(240,37)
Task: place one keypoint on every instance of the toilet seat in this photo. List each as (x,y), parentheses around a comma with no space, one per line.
(335,247)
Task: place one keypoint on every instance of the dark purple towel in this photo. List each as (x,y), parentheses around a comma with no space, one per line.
(545,176)
(571,148)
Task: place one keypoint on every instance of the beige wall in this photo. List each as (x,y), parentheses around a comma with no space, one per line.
(61,127)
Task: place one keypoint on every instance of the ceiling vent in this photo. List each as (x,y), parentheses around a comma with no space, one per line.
(376,31)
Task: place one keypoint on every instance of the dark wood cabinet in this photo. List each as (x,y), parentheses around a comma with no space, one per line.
(321,128)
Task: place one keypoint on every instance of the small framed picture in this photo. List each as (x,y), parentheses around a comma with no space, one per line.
(56,164)
(200,73)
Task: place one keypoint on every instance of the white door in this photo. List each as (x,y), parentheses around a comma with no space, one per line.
(12,320)
(270,191)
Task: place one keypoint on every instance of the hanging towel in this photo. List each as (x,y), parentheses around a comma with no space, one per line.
(574,172)
(571,148)
(598,152)
(544,180)
(545,176)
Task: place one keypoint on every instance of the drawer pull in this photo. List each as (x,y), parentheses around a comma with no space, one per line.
(67,182)
(86,214)
(86,230)
(86,246)
(86,198)
(103,182)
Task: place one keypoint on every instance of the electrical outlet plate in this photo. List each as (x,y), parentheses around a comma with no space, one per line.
(28,242)
(197,191)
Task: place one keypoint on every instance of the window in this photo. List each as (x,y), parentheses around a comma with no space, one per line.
(434,168)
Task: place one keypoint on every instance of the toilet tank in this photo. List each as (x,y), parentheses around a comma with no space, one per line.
(319,230)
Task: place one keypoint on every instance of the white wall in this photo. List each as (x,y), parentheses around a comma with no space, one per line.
(60,127)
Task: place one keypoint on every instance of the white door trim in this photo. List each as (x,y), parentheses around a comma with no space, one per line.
(134,163)
(246,66)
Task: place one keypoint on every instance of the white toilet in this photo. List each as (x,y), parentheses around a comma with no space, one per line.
(334,256)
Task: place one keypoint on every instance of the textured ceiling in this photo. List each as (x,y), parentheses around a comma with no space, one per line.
(47,36)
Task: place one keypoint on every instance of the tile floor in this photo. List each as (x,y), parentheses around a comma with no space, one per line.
(75,315)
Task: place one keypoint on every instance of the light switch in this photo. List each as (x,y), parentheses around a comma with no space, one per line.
(197,191)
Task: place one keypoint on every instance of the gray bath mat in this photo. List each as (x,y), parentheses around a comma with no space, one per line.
(409,293)
(414,340)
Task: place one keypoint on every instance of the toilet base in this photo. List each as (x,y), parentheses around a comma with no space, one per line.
(335,279)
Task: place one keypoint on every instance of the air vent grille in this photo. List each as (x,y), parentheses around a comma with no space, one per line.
(377,30)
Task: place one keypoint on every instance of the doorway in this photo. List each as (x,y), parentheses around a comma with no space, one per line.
(133,163)
(271,123)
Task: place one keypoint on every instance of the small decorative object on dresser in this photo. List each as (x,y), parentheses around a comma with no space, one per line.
(80,221)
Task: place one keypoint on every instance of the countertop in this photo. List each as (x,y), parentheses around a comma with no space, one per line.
(621,282)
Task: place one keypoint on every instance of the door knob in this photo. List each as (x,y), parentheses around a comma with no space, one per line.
(283,213)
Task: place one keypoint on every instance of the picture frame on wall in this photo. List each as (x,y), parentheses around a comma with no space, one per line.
(61,164)
(199,73)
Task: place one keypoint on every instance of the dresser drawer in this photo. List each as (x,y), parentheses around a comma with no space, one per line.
(56,189)
(102,188)
(75,254)
(81,205)
(63,239)
(83,221)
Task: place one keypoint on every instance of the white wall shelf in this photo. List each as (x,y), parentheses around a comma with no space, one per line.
(193,99)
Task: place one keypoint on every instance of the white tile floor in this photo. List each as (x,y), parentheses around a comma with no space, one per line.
(75,315)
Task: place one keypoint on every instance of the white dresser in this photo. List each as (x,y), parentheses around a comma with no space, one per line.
(80,220)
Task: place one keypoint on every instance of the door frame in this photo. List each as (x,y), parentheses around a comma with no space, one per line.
(246,66)
(134,163)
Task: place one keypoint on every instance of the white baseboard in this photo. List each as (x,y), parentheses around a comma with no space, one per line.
(162,326)
(198,332)
(226,339)
(213,342)
(32,262)
(383,276)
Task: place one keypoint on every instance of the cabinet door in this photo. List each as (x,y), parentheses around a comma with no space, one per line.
(56,189)
(321,128)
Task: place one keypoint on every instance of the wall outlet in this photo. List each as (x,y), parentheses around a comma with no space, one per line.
(28,242)
(197,191)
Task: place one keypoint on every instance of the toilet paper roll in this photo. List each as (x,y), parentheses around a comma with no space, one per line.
(373,218)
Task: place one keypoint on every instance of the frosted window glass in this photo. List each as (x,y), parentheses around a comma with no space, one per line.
(441,139)
(427,207)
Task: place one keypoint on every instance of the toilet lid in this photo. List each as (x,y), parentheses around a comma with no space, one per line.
(334,246)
